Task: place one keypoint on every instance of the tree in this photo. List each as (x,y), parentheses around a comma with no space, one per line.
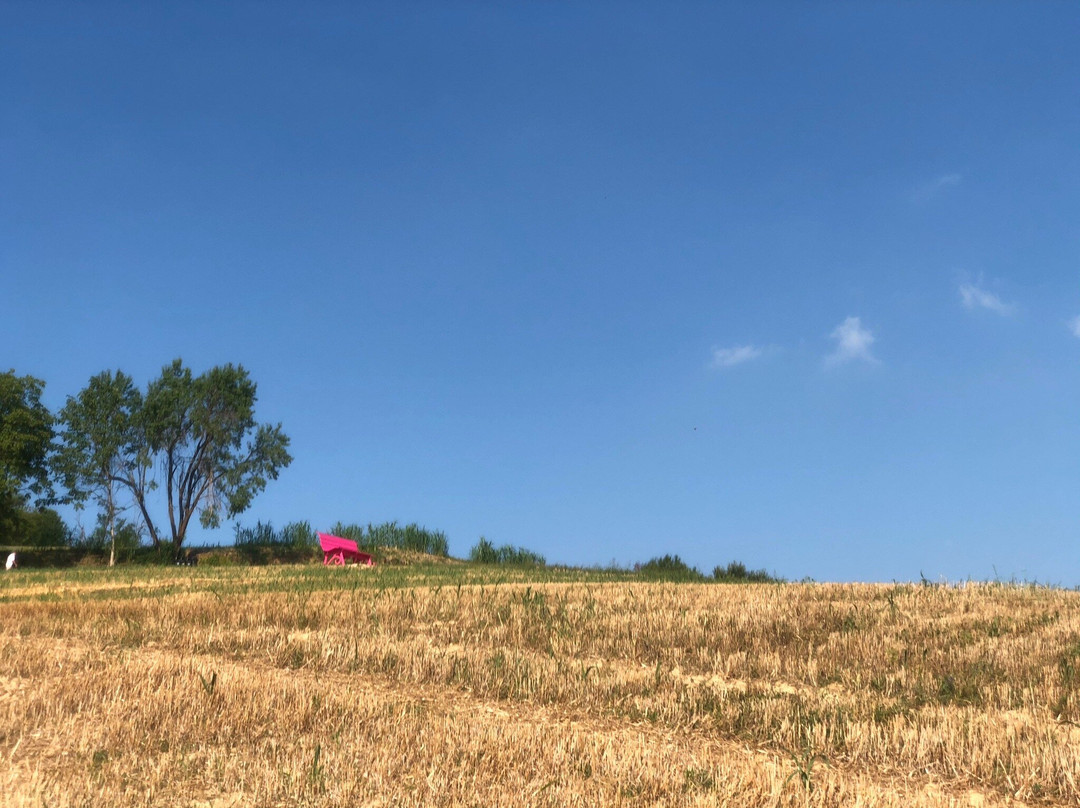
(214,456)
(45,528)
(103,448)
(198,432)
(26,442)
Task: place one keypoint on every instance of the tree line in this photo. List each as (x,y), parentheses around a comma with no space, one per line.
(194,437)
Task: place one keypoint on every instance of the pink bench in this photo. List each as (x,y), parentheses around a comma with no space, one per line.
(336,550)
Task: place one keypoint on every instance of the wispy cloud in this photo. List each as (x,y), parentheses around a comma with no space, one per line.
(853,342)
(974,296)
(729,357)
(933,187)
(1074,326)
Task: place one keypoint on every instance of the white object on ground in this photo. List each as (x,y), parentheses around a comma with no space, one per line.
(10,561)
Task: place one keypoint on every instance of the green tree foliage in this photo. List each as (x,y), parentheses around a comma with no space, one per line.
(214,456)
(669,568)
(103,449)
(26,442)
(194,436)
(45,528)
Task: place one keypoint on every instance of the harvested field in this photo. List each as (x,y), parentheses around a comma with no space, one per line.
(455,685)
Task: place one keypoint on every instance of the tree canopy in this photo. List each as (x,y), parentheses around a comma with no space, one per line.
(103,448)
(26,443)
(213,455)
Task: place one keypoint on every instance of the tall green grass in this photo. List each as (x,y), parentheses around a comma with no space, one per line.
(301,536)
(484,552)
(391,534)
(262,544)
(295,536)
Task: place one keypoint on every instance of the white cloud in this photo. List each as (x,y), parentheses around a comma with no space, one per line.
(973,296)
(1074,326)
(932,188)
(729,357)
(853,343)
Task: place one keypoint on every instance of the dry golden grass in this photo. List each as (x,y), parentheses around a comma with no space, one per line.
(303,686)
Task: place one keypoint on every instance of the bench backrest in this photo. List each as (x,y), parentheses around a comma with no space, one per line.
(330,543)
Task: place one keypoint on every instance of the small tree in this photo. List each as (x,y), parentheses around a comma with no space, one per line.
(103,449)
(26,441)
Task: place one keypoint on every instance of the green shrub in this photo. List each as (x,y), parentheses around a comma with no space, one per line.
(128,539)
(219,559)
(736,572)
(668,568)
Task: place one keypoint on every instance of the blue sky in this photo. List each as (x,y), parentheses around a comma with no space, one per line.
(788,283)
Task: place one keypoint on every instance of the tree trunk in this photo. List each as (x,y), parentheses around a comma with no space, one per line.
(112,528)
(155,541)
